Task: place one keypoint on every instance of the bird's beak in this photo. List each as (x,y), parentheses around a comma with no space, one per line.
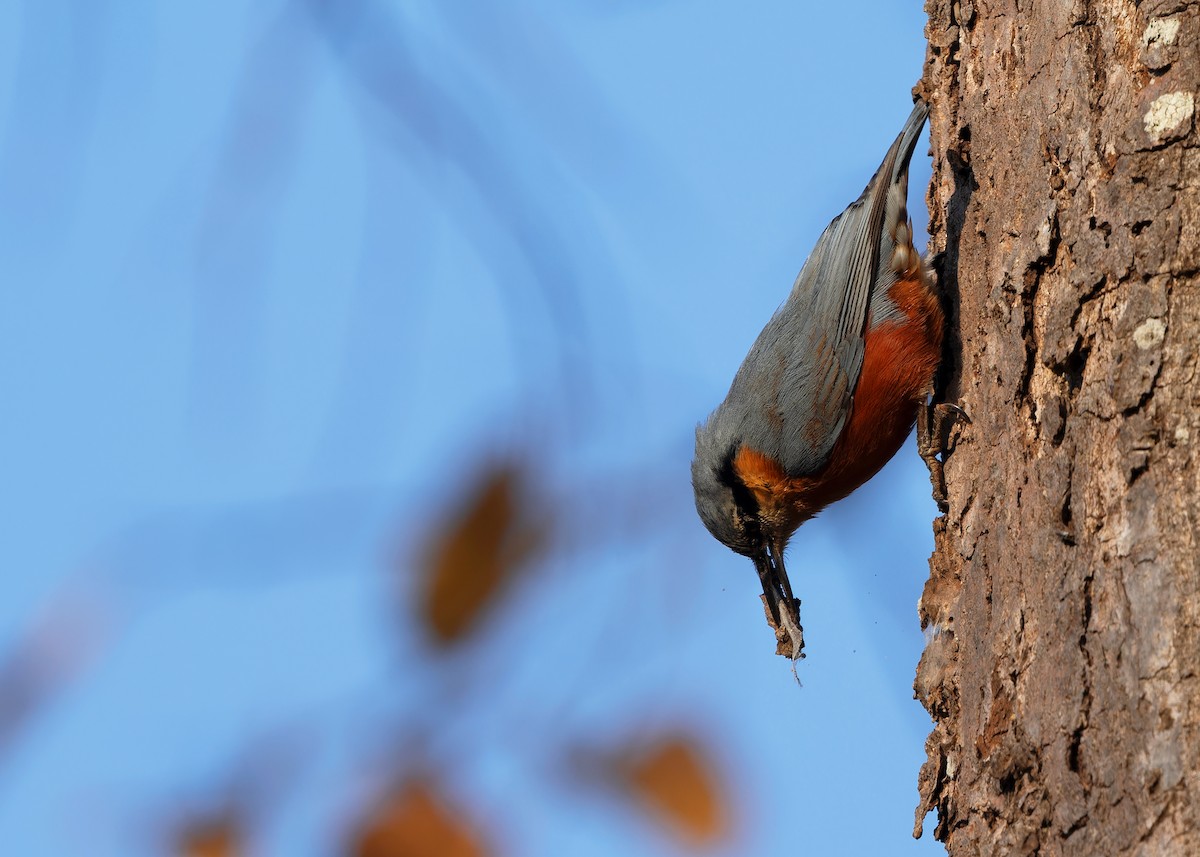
(773,575)
(784,609)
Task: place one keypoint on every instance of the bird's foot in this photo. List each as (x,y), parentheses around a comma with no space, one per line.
(932,419)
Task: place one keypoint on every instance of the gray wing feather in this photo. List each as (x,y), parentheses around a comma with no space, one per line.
(804,366)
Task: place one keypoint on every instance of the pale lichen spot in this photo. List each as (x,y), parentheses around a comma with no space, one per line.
(1162,31)
(1149,333)
(1182,435)
(1169,113)
(1044,237)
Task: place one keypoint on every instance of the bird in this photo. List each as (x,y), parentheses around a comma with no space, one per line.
(830,389)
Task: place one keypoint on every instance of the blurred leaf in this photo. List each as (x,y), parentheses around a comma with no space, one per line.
(480,549)
(217,838)
(415,822)
(674,781)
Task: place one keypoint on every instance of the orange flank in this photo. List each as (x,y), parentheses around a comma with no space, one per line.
(899,360)
(898,365)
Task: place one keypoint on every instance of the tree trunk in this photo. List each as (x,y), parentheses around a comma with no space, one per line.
(1063,605)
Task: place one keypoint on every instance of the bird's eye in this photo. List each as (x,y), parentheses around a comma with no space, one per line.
(745,506)
(746,522)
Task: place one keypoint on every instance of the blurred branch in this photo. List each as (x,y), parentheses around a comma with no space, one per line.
(252,173)
(46,659)
(429,119)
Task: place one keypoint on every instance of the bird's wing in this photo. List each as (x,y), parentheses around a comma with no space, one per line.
(804,367)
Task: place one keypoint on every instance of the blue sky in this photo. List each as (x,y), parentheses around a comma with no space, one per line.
(280,280)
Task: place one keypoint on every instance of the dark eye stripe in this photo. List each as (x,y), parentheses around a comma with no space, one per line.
(743,497)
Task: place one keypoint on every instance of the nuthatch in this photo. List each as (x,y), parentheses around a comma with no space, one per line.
(829,390)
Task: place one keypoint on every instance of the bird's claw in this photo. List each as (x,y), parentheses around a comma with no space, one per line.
(932,443)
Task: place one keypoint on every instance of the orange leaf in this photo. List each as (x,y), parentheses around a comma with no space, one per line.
(675,782)
(415,822)
(476,556)
(220,838)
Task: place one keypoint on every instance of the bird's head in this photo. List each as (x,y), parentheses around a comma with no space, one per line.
(727,507)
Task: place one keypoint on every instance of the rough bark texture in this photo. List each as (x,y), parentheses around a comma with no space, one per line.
(1063,606)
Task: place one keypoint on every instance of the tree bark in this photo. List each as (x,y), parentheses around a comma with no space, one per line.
(1063,606)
